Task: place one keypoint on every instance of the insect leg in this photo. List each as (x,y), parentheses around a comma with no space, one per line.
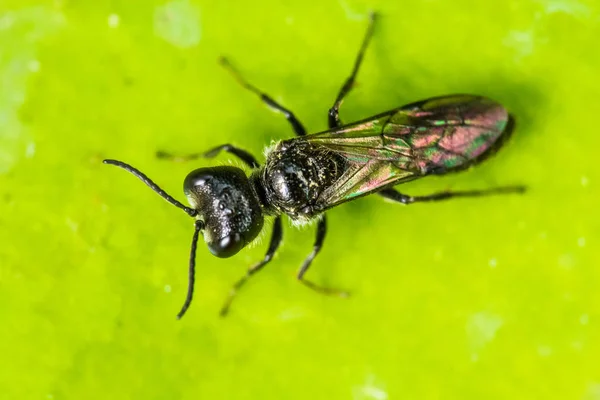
(394,195)
(321,231)
(273,245)
(296,124)
(243,155)
(334,118)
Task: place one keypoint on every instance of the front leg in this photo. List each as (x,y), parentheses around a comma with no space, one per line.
(243,155)
(276,236)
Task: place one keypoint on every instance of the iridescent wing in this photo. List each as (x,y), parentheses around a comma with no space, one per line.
(436,135)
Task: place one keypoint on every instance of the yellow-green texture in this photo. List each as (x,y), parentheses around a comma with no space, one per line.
(489,298)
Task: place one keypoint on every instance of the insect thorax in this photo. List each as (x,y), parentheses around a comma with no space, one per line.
(294,176)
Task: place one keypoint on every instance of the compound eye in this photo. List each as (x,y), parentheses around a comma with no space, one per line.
(226,246)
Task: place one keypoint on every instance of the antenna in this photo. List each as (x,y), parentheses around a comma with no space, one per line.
(190,211)
(199,225)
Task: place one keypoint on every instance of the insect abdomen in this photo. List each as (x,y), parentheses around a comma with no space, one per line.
(451,132)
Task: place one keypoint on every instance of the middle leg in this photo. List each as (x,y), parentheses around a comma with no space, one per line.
(268,100)
(321,231)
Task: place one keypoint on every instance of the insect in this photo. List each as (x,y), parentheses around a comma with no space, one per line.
(305,176)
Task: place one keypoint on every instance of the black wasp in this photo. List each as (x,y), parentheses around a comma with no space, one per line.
(307,175)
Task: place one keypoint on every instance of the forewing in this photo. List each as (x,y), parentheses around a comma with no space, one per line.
(431,136)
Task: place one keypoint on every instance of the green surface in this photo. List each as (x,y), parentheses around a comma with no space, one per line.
(493,298)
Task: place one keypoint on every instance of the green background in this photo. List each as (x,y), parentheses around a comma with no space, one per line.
(490,298)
